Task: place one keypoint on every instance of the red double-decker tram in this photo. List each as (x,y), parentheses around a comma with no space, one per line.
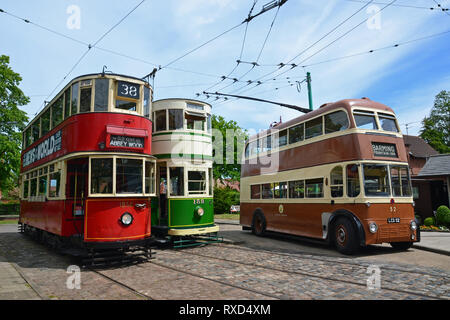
(87,172)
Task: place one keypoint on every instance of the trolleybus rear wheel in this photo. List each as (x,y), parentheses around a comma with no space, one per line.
(401,245)
(345,236)
(259,224)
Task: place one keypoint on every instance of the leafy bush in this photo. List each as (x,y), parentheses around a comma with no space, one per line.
(443,215)
(9,208)
(224,198)
(429,221)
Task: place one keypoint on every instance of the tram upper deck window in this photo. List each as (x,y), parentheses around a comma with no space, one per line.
(35,129)
(101,94)
(336,121)
(147,102)
(57,111)
(102,175)
(176,119)
(45,123)
(365,120)
(75,87)
(197,182)
(128,176)
(195,106)
(67,103)
(387,122)
(85,95)
(194,122)
(376,180)
(160,120)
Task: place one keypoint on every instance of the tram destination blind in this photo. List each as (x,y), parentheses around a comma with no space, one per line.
(126,142)
(128,90)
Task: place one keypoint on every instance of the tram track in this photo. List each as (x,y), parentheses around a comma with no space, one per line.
(314,276)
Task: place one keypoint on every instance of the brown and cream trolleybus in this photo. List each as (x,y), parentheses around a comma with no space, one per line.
(338,173)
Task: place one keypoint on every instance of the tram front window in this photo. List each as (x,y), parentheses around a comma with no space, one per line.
(376,180)
(101,175)
(197,182)
(177,181)
(128,176)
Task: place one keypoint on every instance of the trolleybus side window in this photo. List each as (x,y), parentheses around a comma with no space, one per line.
(101,175)
(128,175)
(401,186)
(280,190)
(297,189)
(45,123)
(280,139)
(255,191)
(297,133)
(353,186)
(85,95)
(314,188)
(176,119)
(336,182)
(267,191)
(266,144)
(196,182)
(313,128)
(101,94)
(57,112)
(387,122)
(376,180)
(67,103)
(160,120)
(75,87)
(336,121)
(365,120)
(176,181)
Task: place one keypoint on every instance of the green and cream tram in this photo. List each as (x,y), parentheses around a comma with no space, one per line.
(183,211)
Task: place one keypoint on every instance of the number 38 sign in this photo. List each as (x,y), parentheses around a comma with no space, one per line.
(128,90)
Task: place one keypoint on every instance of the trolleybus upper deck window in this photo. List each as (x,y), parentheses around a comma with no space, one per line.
(365,120)
(387,122)
(297,133)
(336,121)
(376,180)
(280,138)
(313,128)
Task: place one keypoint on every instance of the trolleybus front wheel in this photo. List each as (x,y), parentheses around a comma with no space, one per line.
(345,236)
(401,245)
(259,224)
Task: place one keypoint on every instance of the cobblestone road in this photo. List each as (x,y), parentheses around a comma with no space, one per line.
(219,272)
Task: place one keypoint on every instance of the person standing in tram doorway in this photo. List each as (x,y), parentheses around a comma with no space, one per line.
(163,197)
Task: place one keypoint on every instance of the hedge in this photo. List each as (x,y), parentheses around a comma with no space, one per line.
(9,209)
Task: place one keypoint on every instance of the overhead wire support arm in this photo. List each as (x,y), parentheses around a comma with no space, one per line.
(291,106)
(267,7)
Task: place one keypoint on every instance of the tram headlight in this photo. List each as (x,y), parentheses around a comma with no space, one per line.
(126,219)
(199,211)
(373,228)
(413,225)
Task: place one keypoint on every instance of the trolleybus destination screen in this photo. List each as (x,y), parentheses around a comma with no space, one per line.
(384,150)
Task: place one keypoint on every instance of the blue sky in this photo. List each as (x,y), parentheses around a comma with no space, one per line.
(406,78)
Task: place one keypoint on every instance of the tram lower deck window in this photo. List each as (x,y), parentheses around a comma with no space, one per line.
(176,181)
(197,182)
(128,176)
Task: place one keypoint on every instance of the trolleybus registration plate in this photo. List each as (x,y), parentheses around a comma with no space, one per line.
(393,220)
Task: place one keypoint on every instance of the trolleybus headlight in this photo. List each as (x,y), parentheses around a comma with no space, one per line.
(413,225)
(126,219)
(199,211)
(373,228)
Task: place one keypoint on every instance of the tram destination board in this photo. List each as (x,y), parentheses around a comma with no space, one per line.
(126,142)
(128,90)
(384,150)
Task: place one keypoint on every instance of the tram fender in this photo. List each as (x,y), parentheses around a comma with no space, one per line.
(345,213)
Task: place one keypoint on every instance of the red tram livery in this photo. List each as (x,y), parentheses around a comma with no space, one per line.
(87,172)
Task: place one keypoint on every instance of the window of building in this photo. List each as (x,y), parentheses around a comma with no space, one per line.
(101,94)
(160,120)
(337,182)
(297,133)
(297,189)
(314,188)
(313,128)
(176,181)
(365,120)
(197,182)
(353,186)
(128,176)
(376,180)
(175,119)
(336,121)
(255,191)
(101,176)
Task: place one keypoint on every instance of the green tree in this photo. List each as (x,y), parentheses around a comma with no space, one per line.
(436,127)
(224,167)
(13,121)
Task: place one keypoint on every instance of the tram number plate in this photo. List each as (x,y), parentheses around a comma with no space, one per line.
(393,220)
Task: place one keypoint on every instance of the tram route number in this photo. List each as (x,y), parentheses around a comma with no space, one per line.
(128,90)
